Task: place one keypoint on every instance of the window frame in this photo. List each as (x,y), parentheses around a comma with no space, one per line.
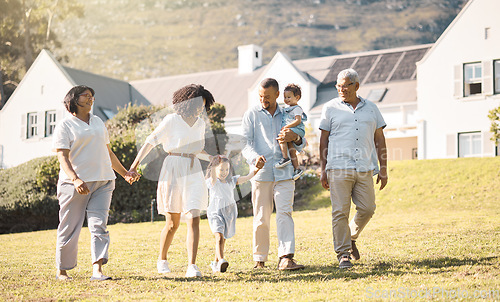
(496,77)
(473,80)
(470,134)
(31,125)
(50,123)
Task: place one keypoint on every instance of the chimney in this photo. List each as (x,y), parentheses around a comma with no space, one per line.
(249,58)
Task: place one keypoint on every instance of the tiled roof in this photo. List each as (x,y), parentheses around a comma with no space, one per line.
(110,93)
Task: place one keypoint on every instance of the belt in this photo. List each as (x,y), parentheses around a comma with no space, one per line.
(188,155)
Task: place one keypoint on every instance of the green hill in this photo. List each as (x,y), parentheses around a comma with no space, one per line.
(434,236)
(131,39)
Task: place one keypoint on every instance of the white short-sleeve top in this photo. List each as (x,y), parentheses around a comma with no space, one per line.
(88,153)
(177,136)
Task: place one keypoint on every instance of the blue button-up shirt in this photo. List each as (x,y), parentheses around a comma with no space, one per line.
(260,130)
(351,142)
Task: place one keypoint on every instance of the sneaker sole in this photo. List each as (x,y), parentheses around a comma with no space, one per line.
(345,265)
(223,267)
(295,177)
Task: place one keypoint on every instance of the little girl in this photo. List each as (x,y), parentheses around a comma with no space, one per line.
(222,210)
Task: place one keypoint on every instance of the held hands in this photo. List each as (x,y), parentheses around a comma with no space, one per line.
(259,162)
(131,176)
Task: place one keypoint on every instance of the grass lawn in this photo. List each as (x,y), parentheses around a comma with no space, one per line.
(434,235)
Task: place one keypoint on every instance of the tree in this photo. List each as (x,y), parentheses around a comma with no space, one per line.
(494,116)
(25,29)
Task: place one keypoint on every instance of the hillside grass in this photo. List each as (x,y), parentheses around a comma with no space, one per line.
(134,40)
(435,234)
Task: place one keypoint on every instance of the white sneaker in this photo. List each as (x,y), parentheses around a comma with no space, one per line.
(222,266)
(162,266)
(213,266)
(193,271)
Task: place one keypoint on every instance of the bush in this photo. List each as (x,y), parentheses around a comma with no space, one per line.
(28,200)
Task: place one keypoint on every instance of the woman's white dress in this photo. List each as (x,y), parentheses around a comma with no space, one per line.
(181,188)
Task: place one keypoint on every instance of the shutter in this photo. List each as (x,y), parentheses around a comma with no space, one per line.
(40,124)
(458,80)
(488,144)
(451,145)
(487,77)
(24,126)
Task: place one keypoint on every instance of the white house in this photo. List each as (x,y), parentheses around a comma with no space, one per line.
(458,83)
(388,77)
(28,119)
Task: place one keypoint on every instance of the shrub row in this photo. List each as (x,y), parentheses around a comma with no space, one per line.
(28,200)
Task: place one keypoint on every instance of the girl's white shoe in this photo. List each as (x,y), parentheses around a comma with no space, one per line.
(162,266)
(222,265)
(193,271)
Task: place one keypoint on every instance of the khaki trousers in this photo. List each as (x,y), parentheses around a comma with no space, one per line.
(344,186)
(263,195)
(72,209)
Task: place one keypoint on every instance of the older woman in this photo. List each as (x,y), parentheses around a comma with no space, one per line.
(86,182)
(181,187)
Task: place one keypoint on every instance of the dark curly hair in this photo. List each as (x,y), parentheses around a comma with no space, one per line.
(191,92)
(216,161)
(295,89)
(73,95)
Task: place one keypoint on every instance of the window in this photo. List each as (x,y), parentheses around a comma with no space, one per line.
(50,122)
(469,144)
(473,78)
(108,113)
(377,95)
(32,125)
(496,68)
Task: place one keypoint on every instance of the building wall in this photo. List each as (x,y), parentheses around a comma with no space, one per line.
(42,89)
(444,115)
(285,73)
(404,148)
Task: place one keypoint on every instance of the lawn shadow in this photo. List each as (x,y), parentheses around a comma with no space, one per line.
(363,270)
(315,273)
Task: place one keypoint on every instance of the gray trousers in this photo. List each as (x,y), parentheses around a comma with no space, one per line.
(344,186)
(72,208)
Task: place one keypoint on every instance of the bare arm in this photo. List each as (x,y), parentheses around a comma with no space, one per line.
(80,185)
(258,165)
(379,139)
(146,148)
(203,155)
(323,151)
(130,177)
(295,123)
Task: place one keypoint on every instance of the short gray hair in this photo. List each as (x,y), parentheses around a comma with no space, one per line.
(348,73)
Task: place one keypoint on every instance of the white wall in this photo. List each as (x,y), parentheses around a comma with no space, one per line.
(43,88)
(443,115)
(285,73)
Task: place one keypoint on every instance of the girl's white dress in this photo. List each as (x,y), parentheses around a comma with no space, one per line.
(181,188)
(222,210)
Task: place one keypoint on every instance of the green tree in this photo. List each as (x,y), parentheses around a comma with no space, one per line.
(26,29)
(494,116)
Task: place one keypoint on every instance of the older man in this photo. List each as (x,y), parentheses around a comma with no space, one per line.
(351,138)
(261,131)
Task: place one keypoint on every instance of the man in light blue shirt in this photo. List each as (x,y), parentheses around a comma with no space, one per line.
(261,131)
(351,137)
